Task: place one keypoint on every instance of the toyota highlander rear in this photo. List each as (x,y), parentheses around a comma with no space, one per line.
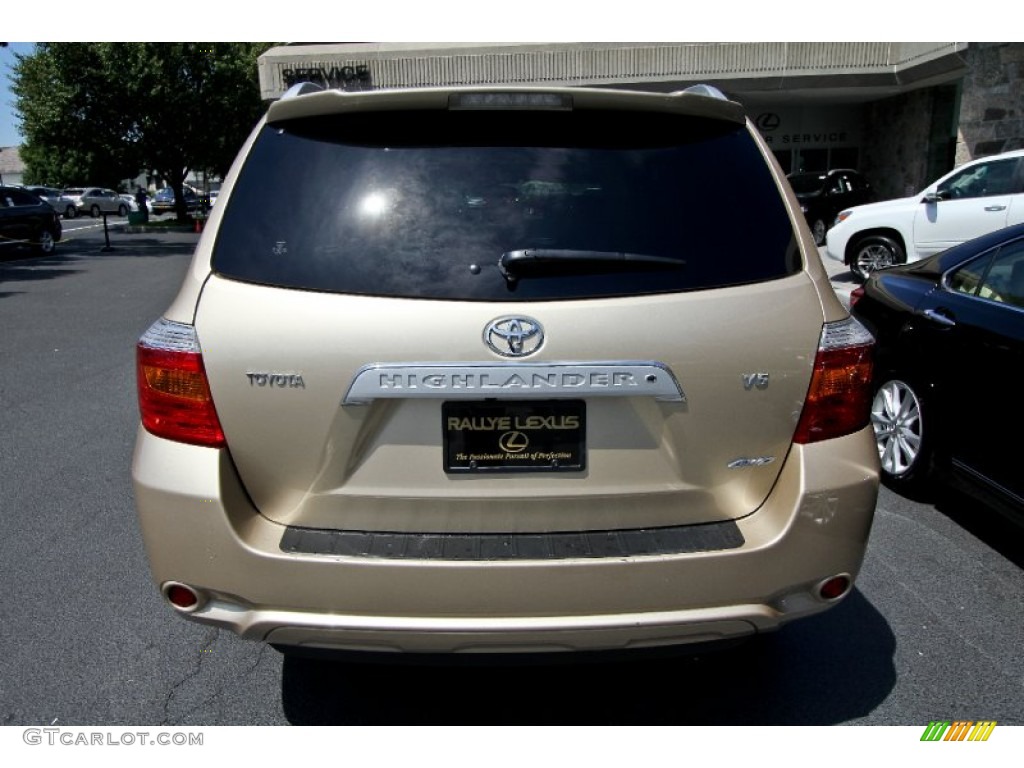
(503,370)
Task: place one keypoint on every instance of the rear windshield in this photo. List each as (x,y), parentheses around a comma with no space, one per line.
(424,205)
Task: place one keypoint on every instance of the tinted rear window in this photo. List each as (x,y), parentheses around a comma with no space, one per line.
(424,204)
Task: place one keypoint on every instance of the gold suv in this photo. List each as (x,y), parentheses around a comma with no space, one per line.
(501,370)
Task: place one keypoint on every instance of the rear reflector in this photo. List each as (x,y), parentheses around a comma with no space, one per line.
(181,596)
(839,399)
(174,395)
(834,588)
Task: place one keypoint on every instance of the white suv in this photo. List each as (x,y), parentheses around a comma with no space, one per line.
(976,198)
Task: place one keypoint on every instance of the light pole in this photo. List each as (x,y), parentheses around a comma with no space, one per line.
(2,45)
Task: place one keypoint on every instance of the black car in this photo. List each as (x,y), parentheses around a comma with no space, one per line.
(26,220)
(823,195)
(950,333)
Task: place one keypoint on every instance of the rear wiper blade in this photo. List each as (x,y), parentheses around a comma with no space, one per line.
(547,261)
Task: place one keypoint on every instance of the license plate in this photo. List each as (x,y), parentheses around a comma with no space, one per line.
(515,436)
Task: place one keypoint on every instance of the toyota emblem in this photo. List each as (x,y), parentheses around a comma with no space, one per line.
(514,336)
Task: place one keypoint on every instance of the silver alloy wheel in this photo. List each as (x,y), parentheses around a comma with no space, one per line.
(896,418)
(46,242)
(872,257)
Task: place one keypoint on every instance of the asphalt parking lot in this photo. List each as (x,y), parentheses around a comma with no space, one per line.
(932,630)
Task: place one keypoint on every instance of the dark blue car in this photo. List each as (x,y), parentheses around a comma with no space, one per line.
(950,332)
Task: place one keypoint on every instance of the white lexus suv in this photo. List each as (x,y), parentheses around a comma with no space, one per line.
(976,198)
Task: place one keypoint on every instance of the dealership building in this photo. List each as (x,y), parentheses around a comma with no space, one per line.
(902,113)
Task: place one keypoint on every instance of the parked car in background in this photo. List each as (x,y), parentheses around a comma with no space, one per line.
(978,197)
(27,221)
(96,201)
(950,333)
(823,195)
(465,407)
(164,201)
(60,202)
(133,204)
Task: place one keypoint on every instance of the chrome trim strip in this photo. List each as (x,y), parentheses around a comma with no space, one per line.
(473,381)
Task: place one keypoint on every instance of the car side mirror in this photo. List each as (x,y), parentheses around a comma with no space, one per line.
(933,197)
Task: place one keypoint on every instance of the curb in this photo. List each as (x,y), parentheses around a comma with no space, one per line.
(141,230)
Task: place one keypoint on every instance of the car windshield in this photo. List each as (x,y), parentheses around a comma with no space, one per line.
(807,183)
(424,205)
(74,191)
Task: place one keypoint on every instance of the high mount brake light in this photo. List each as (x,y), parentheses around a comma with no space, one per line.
(174,395)
(839,398)
(509,100)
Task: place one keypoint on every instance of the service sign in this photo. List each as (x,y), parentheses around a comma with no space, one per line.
(346,77)
(515,436)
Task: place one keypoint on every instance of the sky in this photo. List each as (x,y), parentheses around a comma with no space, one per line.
(9,136)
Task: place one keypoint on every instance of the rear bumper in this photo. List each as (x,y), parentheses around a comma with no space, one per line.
(507,636)
(200,529)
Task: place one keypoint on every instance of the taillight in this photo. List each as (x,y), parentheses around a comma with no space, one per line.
(856,295)
(839,399)
(174,395)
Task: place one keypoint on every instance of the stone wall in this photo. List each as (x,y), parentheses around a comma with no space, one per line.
(896,130)
(992,101)
(912,139)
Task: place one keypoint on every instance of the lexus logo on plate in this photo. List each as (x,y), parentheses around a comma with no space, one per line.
(514,336)
(513,442)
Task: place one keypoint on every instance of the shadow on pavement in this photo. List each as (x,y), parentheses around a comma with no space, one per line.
(47,268)
(846,278)
(1002,532)
(69,254)
(829,669)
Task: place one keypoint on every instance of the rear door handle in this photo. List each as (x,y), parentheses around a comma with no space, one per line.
(995,208)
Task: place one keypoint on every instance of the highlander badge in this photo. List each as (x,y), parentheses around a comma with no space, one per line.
(514,336)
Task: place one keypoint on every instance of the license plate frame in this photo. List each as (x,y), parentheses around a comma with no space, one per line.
(500,436)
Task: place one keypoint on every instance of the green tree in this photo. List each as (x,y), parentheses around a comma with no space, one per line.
(96,113)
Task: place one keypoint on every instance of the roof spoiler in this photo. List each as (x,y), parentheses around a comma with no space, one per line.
(300,89)
(703,89)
